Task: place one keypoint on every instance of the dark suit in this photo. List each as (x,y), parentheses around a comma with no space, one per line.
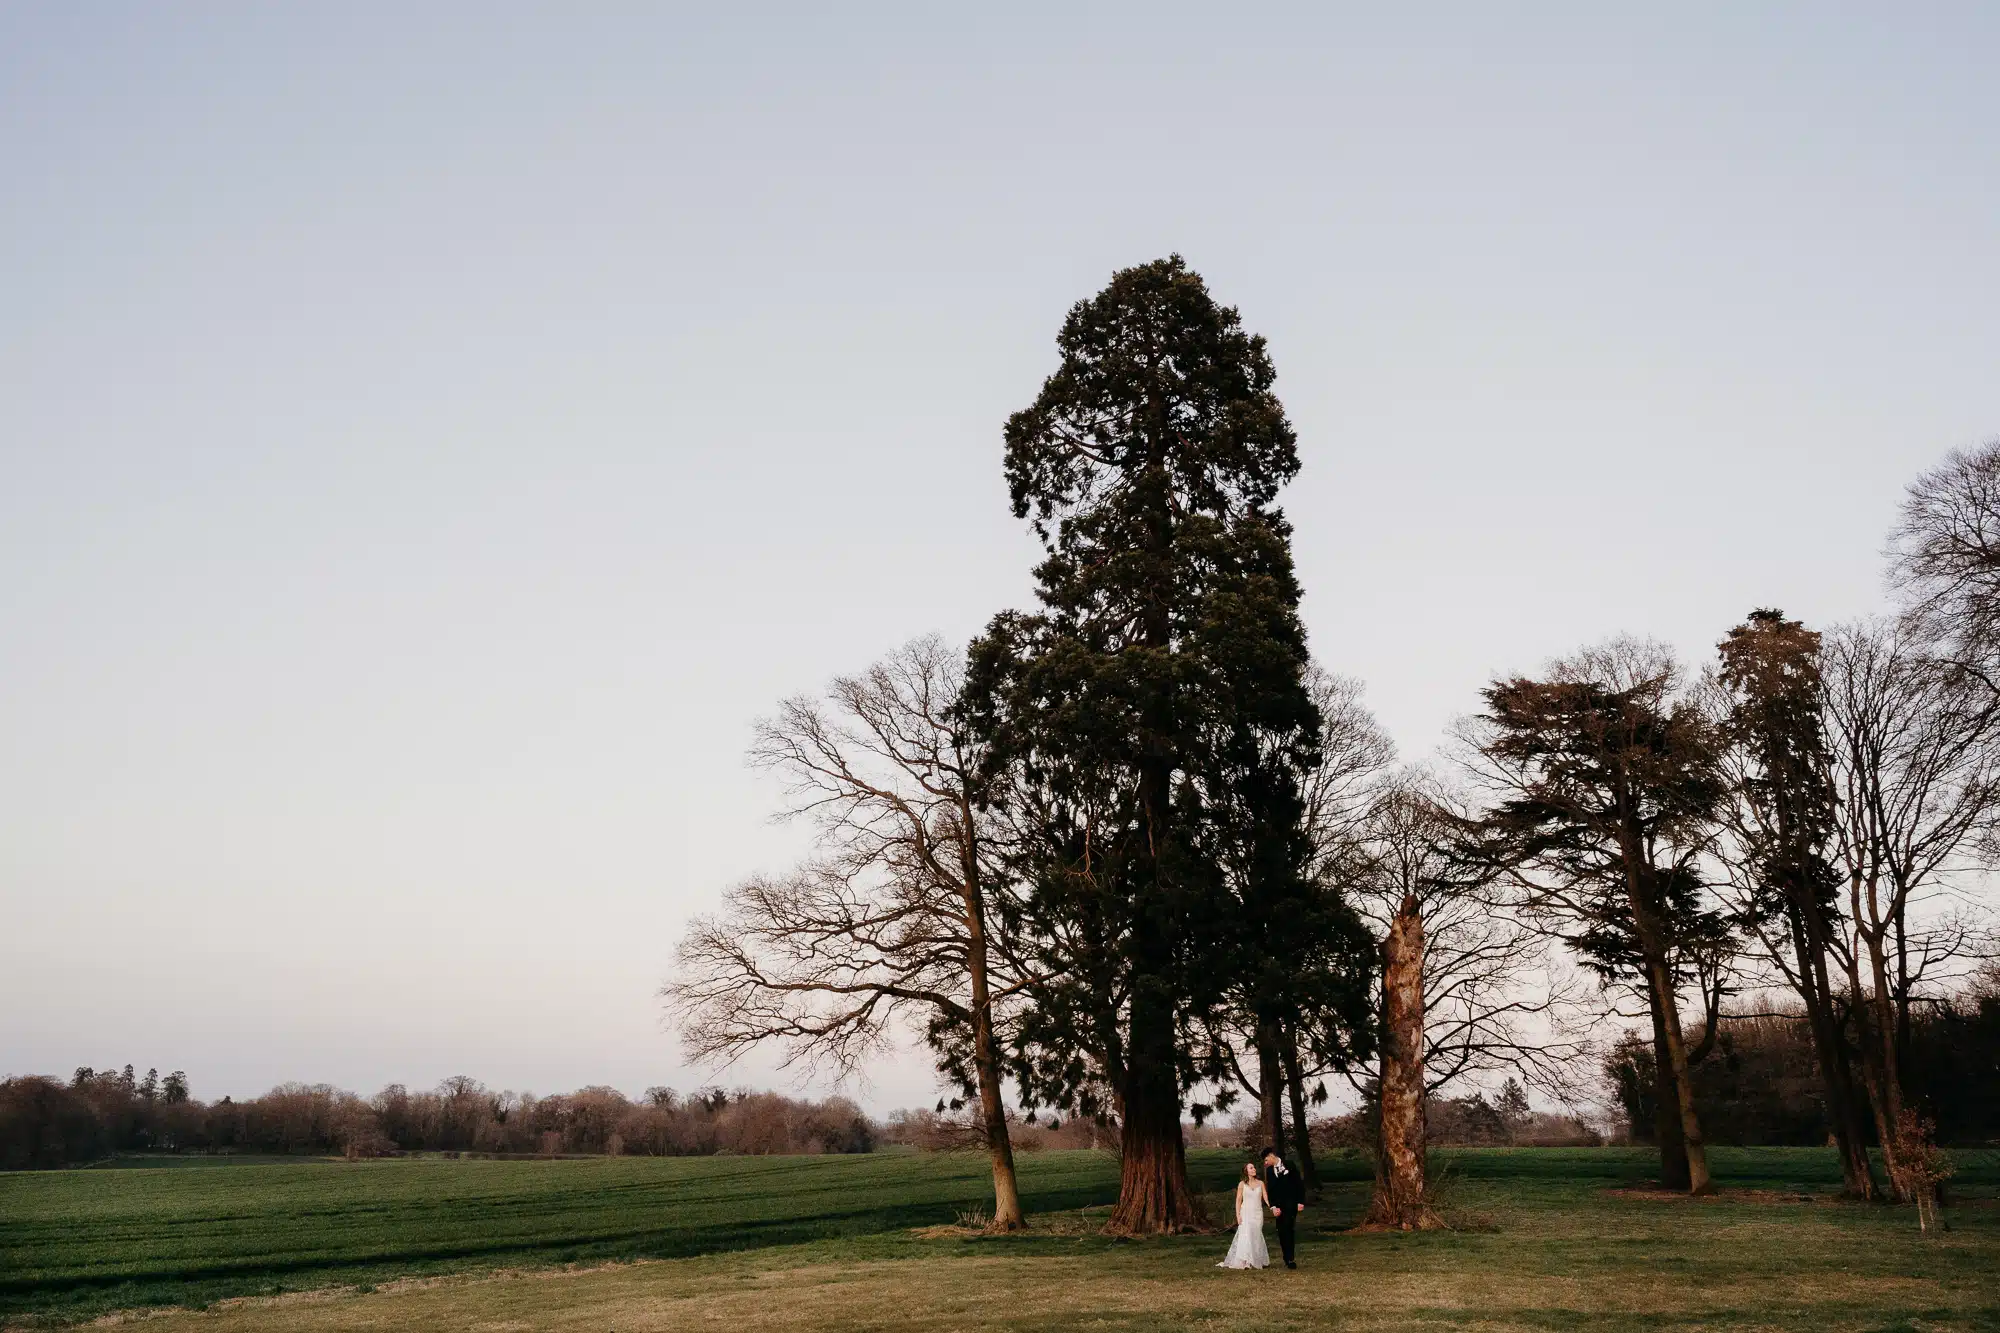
(1287,1193)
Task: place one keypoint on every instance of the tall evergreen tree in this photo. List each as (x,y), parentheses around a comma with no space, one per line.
(1153,710)
(1782,819)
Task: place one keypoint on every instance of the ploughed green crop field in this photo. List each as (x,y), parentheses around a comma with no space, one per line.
(1546,1238)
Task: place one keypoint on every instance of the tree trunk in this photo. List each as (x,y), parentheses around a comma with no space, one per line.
(1399,1200)
(1153,1193)
(1307,1167)
(1875,1024)
(1639,890)
(1270,1087)
(1850,1138)
(1876,1020)
(1899,925)
(1666,1106)
(1830,1052)
(1697,1152)
(1007,1214)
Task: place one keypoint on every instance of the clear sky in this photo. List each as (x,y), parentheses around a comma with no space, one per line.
(430,435)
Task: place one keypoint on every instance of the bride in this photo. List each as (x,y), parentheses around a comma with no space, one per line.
(1248,1250)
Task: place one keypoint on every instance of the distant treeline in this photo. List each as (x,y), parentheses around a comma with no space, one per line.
(46,1122)
(1756,1083)
(1470,1121)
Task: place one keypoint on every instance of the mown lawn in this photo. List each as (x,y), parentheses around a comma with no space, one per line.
(802,1244)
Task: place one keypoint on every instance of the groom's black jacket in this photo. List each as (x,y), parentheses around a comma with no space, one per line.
(1287,1191)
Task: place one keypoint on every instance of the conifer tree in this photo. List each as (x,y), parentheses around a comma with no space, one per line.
(1608,784)
(1782,819)
(1152,711)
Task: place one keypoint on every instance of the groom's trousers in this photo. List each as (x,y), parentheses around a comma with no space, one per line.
(1288,1234)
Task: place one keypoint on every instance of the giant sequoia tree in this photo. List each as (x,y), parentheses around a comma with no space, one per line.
(1152,712)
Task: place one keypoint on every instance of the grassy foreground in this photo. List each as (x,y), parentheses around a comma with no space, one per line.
(802,1244)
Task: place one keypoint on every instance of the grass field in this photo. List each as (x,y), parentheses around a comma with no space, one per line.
(1548,1240)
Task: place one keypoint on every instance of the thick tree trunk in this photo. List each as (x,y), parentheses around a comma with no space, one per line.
(1639,890)
(1154,1197)
(1007,1215)
(1153,1193)
(1697,1152)
(1843,1105)
(1307,1167)
(1399,1200)
(1666,1106)
(1270,1088)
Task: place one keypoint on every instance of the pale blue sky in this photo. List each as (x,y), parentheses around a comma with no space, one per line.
(429,435)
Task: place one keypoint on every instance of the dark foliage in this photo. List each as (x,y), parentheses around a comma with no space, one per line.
(1762,1084)
(1609,786)
(44,1124)
(1782,818)
(1150,721)
(1952,1068)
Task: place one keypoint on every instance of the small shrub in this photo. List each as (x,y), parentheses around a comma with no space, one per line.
(1920,1167)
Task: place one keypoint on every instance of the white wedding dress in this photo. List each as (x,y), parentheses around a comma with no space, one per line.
(1248,1249)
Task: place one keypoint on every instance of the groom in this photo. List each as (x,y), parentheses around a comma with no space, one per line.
(1286,1194)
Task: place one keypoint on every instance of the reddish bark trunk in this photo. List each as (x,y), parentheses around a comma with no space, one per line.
(1153,1193)
(1154,1197)
(1399,1200)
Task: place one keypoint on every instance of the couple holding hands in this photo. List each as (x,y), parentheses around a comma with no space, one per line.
(1278,1191)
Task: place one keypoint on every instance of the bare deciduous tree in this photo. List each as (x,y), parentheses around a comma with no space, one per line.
(1495,997)
(1468,984)
(890,923)
(1336,795)
(1354,754)
(1916,777)
(1945,563)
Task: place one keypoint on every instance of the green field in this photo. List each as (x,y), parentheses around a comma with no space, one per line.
(1546,1241)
